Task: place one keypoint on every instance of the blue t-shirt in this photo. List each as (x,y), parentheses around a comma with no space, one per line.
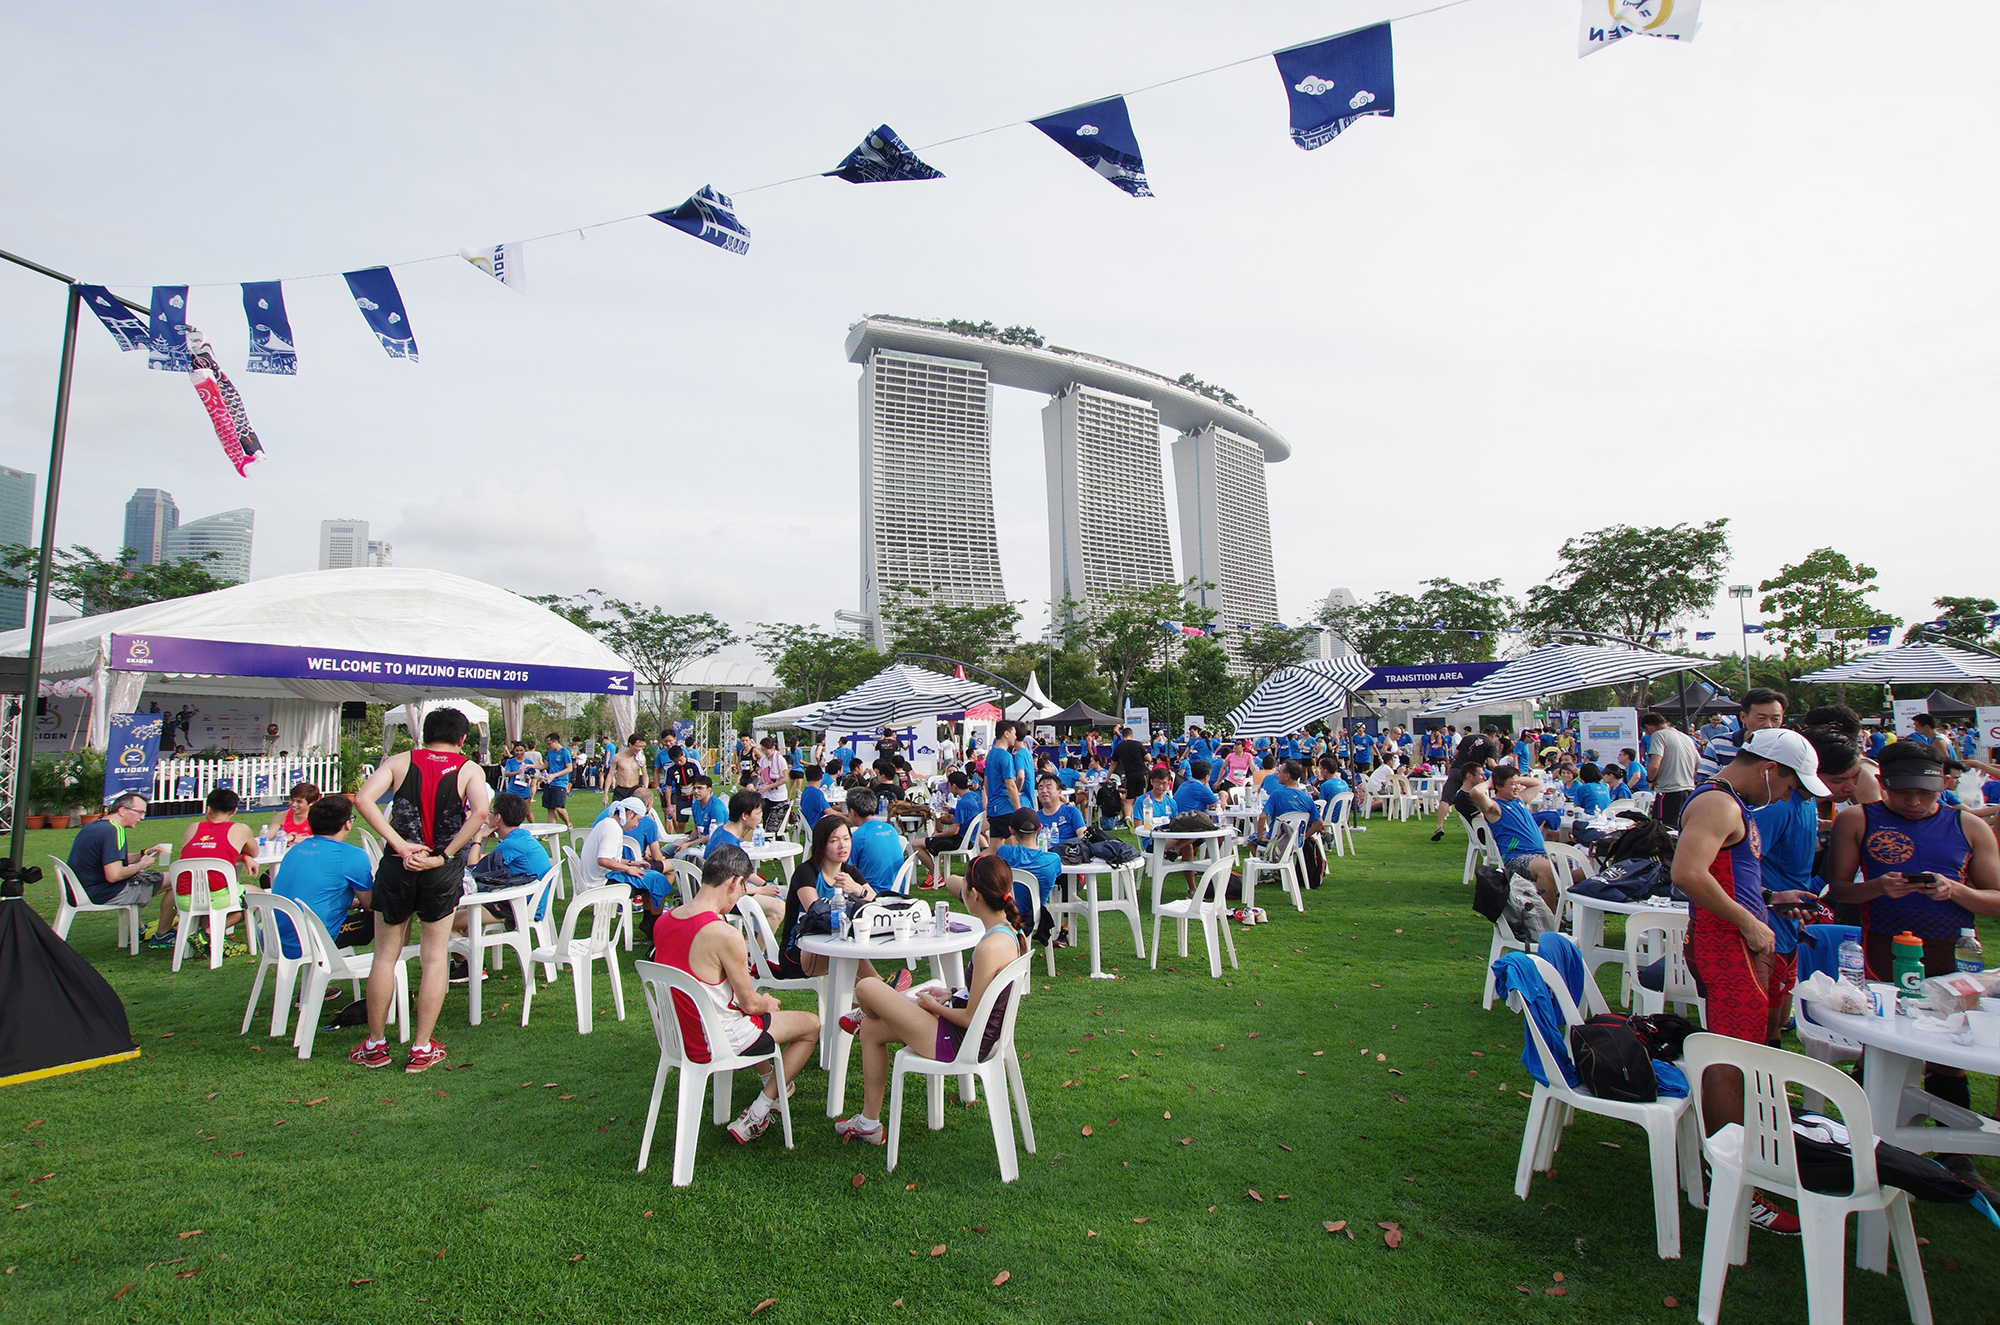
(1281,799)
(519,852)
(1150,807)
(517,781)
(812,804)
(709,814)
(723,837)
(1001,765)
(1192,797)
(1064,824)
(967,808)
(1523,754)
(1788,835)
(323,875)
(1069,777)
(1335,786)
(1990,789)
(1590,796)
(1364,747)
(1621,793)
(1201,748)
(1515,832)
(557,761)
(878,853)
(1046,866)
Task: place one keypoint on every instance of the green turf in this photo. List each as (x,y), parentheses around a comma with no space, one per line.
(483,1194)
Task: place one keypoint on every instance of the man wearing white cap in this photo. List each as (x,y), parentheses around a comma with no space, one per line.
(603,855)
(1719,865)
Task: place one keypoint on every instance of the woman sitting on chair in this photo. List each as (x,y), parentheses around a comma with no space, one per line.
(933,1021)
(823,872)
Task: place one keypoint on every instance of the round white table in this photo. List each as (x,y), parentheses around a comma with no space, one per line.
(946,953)
(1080,899)
(1212,841)
(550,829)
(1892,1061)
(1587,926)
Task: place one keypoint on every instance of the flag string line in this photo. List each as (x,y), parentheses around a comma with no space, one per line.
(579,230)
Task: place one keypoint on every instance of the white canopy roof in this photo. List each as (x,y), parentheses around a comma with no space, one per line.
(1034,705)
(1922,663)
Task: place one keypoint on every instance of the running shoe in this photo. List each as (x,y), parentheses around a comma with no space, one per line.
(1771,1219)
(157,937)
(856,1129)
(750,1125)
(369,1055)
(851,1021)
(903,980)
(425,1055)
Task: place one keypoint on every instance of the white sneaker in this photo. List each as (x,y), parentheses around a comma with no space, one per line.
(750,1125)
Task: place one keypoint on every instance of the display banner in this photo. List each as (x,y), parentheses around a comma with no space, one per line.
(1141,723)
(57,721)
(1905,711)
(1100,135)
(1603,733)
(270,329)
(164,654)
(381,304)
(1331,84)
(166,332)
(126,327)
(1988,735)
(134,750)
(1431,676)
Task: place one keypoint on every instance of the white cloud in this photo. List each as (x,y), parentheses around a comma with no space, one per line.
(1313,85)
(1086,131)
(1360,99)
(363,302)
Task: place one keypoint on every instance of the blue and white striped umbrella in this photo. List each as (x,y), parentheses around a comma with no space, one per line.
(1292,697)
(899,694)
(1913,664)
(1555,668)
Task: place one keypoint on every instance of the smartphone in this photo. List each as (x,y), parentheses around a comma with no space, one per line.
(1926,878)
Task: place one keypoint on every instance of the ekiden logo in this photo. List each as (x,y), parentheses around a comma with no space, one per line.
(139,650)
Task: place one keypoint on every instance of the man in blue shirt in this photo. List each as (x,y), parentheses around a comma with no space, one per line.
(708,812)
(812,803)
(878,847)
(966,805)
(555,788)
(515,857)
(1364,748)
(1283,795)
(1060,821)
(1018,849)
(1157,805)
(1504,804)
(324,874)
(1010,771)
(1193,795)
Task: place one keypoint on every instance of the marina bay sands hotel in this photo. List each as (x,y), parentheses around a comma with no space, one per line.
(927,517)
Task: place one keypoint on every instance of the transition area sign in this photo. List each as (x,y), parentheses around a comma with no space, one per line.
(1431,676)
(162,654)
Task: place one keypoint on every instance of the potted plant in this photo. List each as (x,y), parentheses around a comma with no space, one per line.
(48,788)
(89,769)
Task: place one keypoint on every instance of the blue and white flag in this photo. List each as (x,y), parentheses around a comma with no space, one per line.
(381,303)
(1753,630)
(1608,21)
(500,261)
(1700,635)
(1335,82)
(882,158)
(166,330)
(126,327)
(1939,624)
(709,216)
(1878,634)
(1993,621)
(1663,634)
(133,752)
(1511,630)
(1100,135)
(270,330)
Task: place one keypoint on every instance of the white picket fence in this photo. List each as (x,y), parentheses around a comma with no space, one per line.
(261,780)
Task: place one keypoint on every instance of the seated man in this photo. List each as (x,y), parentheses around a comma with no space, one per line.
(812,802)
(647,835)
(1014,841)
(693,939)
(878,847)
(112,875)
(1193,796)
(966,805)
(603,860)
(746,817)
(706,811)
(1515,832)
(1283,795)
(514,859)
(1060,821)
(1156,807)
(327,875)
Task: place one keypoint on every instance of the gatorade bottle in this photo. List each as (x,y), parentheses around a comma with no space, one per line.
(1907,972)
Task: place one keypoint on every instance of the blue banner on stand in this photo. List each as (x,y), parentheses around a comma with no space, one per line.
(134,750)
(166,332)
(1331,84)
(270,330)
(710,217)
(1100,135)
(881,158)
(126,327)
(381,303)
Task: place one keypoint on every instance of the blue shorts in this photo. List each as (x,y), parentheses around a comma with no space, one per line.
(1521,864)
(555,798)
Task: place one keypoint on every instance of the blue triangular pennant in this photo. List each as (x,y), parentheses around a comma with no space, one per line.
(1100,135)
(709,216)
(166,331)
(1878,634)
(1331,84)
(270,330)
(126,327)
(882,158)
(381,303)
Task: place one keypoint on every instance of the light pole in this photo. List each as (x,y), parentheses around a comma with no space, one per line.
(1740,592)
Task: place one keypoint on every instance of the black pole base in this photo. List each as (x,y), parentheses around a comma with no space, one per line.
(15,878)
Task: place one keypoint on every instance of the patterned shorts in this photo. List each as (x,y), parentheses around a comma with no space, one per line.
(1737,995)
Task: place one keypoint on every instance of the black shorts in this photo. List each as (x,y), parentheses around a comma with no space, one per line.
(1135,786)
(430,895)
(943,842)
(620,793)
(555,798)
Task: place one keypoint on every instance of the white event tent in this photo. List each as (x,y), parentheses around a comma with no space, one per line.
(302,644)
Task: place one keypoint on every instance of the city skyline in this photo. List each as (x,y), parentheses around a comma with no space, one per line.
(17,529)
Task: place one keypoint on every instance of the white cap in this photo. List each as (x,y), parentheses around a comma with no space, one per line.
(633,805)
(1792,750)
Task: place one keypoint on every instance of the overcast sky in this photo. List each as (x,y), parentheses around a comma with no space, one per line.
(1750,276)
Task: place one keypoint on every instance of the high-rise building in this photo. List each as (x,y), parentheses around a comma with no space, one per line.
(17,529)
(343,543)
(226,534)
(150,515)
(926,483)
(380,553)
(1333,642)
(1107,499)
(1226,527)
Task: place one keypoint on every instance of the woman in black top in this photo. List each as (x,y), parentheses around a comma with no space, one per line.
(824,869)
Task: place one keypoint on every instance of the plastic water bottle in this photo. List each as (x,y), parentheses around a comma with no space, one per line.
(840,914)
(263,841)
(1853,969)
(1971,957)
(757,836)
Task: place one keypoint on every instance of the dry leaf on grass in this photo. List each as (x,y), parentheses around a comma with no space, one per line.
(897,1303)
(187,1274)
(938,1250)
(1319,1053)
(1168,1115)
(1394,1238)
(1252,1194)
(1670,1302)
(574,1259)
(1287,1149)
(1477,1054)
(1557,1276)
(1127,1076)
(1557,1291)
(909,1186)
(33,1125)
(191,1233)
(1001,1278)
(211,1095)
(121,1292)
(1522,1288)
(859,1179)
(1086,1129)
(234,1153)
(1255,1034)
(767,1302)
(320,1100)
(356,1283)
(1334,1225)
(438,1254)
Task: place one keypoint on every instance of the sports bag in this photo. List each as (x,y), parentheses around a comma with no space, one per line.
(1489,892)
(1663,1034)
(1826,1164)
(1612,1060)
(1630,880)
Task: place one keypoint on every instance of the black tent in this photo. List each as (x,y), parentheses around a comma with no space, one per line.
(1941,705)
(1080,714)
(57,1014)
(1698,699)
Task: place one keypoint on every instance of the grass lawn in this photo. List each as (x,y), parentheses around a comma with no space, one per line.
(1346,1072)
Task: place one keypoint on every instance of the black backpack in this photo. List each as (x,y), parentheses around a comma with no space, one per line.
(1110,801)
(1663,1034)
(1489,892)
(1647,839)
(1611,1060)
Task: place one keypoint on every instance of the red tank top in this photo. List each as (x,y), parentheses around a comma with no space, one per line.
(673,938)
(211,842)
(427,807)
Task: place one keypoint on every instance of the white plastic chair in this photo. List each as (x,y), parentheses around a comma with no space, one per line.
(580,883)
(1339,818)
(1820,1043)
(322,963)
(686,875)
(906,876)
(1479,845)
(1287,832)
(968,847)
(72,901)
(602,904)
(999,1071)
(1649,938)
(660,984)
(1207,906)
(1758,1151)
(1031,917)
(197,904)
(371,846)
(764,949)
(1669,1123)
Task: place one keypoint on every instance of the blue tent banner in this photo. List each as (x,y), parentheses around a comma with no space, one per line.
(1430,676)
(133,751)
(165,654)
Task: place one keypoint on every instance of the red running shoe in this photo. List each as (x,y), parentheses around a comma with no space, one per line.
(369,1055)
(424,1055)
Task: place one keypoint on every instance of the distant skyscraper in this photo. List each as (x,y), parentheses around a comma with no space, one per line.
(227,534)
(1332,643)
(380,553)
(343,543)
(17,529)
(150,515)
(926,482)
(1107,500)
(1226,526)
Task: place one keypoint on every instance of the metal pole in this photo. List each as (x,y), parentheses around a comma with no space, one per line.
(1743,639)
(38,622)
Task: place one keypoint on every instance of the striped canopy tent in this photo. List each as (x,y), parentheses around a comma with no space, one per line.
(898,694)
(1912,664)
(1555,668)
(1292,697)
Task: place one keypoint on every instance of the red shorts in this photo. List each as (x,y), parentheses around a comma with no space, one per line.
(1738,998)
(1784,977)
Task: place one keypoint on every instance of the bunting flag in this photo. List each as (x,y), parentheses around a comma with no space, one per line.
(1939,624)
(1663,634)
(882,158)
(1608,21)
(1701,635)
(166,331)
(381,303)
(1476,634)
(1100,135)
(1753,630)
(500,261)
(126,327)
(1335,82)
(1993,621)
(224,406)
(1510,630)
(270,330)
(709,216)
(1878,634)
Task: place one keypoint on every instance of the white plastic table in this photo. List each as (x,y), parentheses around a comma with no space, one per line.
(1587,926)
(1892,1060)
(549,829)
(1080,888)
(514,900)
(946,953)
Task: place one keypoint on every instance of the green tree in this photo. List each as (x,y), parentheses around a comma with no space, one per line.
(91,585)
(1630,582)
(1448,622)
(919,623)
(1273,648)
(812,664)
(1126,633)
(1964,618)
(657,643)
(1826,591)
(579,609)
(1070,675)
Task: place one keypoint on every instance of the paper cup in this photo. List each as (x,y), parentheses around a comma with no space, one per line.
(1985,1028)
(1883,999)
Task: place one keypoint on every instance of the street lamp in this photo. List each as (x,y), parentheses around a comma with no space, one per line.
(1740,592)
